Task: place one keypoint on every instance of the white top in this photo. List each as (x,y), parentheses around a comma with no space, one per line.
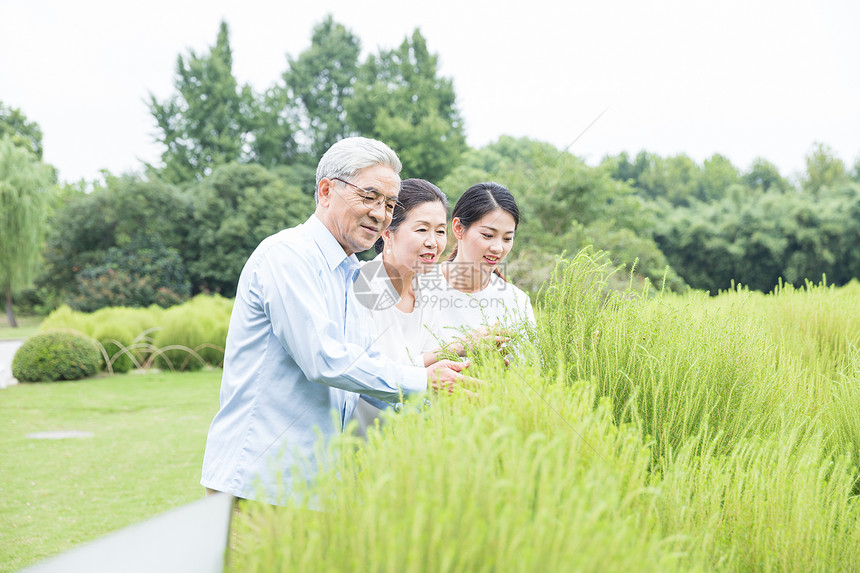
(449,313)
(398,335)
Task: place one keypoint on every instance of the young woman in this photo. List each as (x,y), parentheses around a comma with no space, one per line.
(467,296)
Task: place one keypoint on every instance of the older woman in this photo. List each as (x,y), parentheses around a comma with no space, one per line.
(410,246)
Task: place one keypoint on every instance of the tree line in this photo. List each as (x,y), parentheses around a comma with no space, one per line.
(238,166)
(719,226)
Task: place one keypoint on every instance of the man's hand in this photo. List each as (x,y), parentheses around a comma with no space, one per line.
(446,374)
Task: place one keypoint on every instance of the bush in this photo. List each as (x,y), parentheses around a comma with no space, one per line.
(105,287)
(64,318)
(126,224)
(56,356)
(116,339)
(199,325)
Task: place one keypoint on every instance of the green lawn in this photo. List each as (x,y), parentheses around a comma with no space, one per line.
(27,326)
(144,457)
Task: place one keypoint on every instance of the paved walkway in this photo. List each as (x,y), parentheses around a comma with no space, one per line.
(7,352)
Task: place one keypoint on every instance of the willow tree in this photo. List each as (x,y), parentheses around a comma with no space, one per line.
(23,217)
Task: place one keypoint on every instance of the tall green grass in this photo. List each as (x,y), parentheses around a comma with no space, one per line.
(674,372)
(815,334)
(642,432)
(526,478)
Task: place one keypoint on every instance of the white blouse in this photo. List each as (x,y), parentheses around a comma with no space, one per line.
(450,313)
(401,336)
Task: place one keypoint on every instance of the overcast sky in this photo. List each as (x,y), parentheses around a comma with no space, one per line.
(741,78)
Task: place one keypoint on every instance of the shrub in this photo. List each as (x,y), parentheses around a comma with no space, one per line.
(199,325)
(126,223)
(66,318)
(104,287)
(56,356)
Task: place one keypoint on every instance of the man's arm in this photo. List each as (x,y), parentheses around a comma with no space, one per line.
(292,294)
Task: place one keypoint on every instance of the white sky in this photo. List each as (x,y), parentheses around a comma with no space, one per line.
(741,78)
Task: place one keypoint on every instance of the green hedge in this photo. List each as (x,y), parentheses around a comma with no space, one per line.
(199,325)
(66,318)
(139,335)
(60,355)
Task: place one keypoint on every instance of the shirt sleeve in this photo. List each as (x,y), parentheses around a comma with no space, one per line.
(291,290)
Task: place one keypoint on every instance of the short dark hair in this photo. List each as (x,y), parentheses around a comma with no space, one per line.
(413,192)
(481,199)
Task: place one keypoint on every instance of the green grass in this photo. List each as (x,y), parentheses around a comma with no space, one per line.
(27,326)
(642,434)
(144,457)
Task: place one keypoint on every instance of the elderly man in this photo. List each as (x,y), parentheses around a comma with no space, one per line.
(298,350)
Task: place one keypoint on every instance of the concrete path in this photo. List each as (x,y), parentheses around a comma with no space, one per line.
(7,352)
(192,538)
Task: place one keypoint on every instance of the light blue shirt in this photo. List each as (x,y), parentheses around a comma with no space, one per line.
(299,350)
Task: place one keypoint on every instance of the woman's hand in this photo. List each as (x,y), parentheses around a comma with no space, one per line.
(495,336)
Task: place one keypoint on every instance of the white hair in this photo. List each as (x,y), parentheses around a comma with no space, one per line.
(349,156)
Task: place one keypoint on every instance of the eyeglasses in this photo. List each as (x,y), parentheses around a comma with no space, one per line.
(372,199)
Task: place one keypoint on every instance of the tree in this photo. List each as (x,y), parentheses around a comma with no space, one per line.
(759,238)
(117,227)
(764,175)
(24,183)
(208,122)
(717,176)
(823,168)
(564,205)
(234,209)
(24,133)
(320,81)
(648,175)
(676,180)
(400,99)
(273,126)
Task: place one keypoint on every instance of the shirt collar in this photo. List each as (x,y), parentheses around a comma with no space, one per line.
(331,250)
